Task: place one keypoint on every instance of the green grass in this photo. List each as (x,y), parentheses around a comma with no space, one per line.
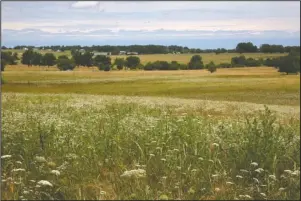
(91,141)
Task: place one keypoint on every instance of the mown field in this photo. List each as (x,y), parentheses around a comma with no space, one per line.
(89,134)
(181,58)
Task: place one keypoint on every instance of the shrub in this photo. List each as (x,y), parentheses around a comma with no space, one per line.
(132,62)
(196,62)
(238,61)
(65,64)
(252,62)
(224,65)
(211,67)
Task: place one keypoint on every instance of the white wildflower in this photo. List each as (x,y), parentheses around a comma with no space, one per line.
(102,192)
(217,189)
(200,158)
(256,180)
(151,155)
(215,175)
(247,196)
(25,192)
(19,162)
(40,159)
(259,170)
(134,173)
(164,178)
(3,180)
(45,183)
(263,194)
(33,181)
(239,176)
(18,170)
(5,156)
(241,196)
(178,167)
(281,189)
(215,144)
(193,170)
(163,159)
(55,172)
(272,177)
(254,164)
(296,173)
(229,183)
(288,171)
(244,171)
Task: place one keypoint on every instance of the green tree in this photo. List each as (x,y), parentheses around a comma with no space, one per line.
(101,59)
(3,64)
(49,59)
(246,47)
(132,62)
(65,64)
(289,64)
(37,59)
(211,67)
(27,57)
(119,62)
(196,62)
(9,57)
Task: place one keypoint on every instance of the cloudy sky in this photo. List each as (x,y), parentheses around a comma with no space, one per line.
(194,24)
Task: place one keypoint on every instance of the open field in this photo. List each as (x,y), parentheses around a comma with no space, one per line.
(89,134)
(181,58)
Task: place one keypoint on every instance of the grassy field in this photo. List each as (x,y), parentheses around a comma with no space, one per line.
(181,58)
(89,134)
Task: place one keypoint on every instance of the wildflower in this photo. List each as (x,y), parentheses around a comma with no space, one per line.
(200,158)
(25,192)
(158,148)
(229,183)
(102,192)
(254,164)
(178,167)
(18,170)
(55,172)
(239,176)
(215,144)
(247,196)
(217,189)
(244,171)
(281,189)
(163,159)
(272,177)
(211,161)
(176,150)
(259,170)
(296,173)
(288,171)
(215,175)
(151,155)
(134,173)
(40,159)
(256,180)
(263,194)
(44,183)
(164,178)
(5,156)
(3,180)
(33,181)
(19,162)
(51,164)
(193,170)
(191,191)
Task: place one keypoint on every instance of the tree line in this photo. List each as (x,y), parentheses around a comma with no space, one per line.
(243,47)
(288,64)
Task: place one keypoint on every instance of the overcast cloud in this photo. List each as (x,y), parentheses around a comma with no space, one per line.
(198,24)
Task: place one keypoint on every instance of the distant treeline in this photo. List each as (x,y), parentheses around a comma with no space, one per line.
(244,47)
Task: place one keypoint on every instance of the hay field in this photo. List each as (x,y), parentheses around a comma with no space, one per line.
(155,135)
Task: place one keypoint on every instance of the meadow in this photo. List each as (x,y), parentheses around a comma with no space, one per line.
(89,134)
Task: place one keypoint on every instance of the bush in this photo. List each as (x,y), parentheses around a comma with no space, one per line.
(132,62)
(252,62)
(211,67)
(289,64)
(107,68)
(65,64)
(238,61)
(196,62)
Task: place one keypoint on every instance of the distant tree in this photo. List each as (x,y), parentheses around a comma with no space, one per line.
(211,67)
(101,59)
(3,48)
(27,57)
(289,64)
(196,62)
(238,61)
(252,62)
(3,64)
(86,59)
(174,65)
(132,62)
(119,62)
(77,57)
(224,65)
(65,64)
(246,47)
(49,59)
(37,59)
(9,58)
(63,57)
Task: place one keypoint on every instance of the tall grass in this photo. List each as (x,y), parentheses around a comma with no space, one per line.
(56,148)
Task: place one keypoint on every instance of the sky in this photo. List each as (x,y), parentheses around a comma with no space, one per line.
(195,24)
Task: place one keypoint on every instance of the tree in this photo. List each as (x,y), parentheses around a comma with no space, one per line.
(119,62)
(132,62)
(9,57)
(101,59)
(246,47)
(3,64)
(37,59)
(86,59)
(65,64)
(174,65)
(289,64)
(27,57)
(238,61)
(77,57)
(196,62)
(211,67)
(49,59)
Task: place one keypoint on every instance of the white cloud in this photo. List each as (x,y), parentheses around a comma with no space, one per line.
(85,4)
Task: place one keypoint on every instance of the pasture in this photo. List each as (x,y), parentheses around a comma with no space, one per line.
(89,134)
